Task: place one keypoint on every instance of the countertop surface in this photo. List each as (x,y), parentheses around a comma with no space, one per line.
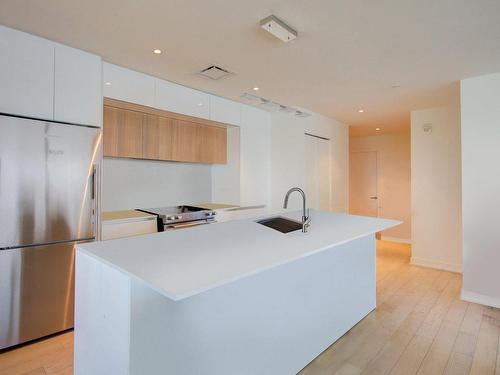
(125,215)
(215,206)
(183,263)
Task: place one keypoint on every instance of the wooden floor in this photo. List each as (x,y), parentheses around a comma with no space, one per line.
(420,327)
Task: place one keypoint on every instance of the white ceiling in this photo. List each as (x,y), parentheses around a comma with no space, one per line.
(348,54)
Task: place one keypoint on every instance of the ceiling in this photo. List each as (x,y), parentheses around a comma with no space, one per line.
(385,57)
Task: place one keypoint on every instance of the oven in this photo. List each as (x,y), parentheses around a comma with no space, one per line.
(178,217)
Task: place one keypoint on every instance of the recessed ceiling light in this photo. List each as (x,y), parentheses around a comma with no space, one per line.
(157,51)
(107,83)
(377,129)
(361,110)
(255,89)
(200,104)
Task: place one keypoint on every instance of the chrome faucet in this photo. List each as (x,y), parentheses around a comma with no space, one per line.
(306,220)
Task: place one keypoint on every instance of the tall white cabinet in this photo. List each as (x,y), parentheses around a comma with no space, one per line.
(254,156)
(47,80)
(26,74)
(78,93)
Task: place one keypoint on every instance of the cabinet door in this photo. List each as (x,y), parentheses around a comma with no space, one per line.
(185,141)
(122,133)
(165,138)
(254,151)
(212,143)
(180,99)
(128,85)
(78,93)
(150,137)
(224,110)
(26,74)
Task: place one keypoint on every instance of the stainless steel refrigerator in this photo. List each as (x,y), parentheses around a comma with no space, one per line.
(49,187)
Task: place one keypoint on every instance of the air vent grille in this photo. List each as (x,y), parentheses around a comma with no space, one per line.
(214,72)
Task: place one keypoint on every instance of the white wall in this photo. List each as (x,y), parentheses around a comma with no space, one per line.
(436,188)
(480,97)
(288,157)
(131,183)
(393,178)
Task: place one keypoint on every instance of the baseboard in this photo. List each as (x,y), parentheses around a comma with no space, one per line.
(396,239)
(436,264)
(480,299)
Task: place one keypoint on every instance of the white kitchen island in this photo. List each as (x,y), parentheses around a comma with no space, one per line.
(233,298)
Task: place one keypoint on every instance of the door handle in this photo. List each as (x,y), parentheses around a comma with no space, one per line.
(373,197)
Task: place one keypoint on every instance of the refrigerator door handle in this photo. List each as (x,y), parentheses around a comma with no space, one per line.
(47,243)
(93,182)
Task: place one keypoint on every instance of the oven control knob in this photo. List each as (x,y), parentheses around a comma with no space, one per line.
(178,217)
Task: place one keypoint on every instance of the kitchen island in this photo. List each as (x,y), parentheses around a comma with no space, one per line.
(225,298)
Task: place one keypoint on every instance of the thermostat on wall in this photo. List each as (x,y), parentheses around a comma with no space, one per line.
(427,128)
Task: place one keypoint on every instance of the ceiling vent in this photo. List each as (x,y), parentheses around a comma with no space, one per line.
(278,28)
(214,72)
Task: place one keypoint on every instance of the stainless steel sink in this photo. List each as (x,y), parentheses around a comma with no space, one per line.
(281,224)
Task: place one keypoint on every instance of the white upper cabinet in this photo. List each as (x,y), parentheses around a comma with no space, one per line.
(78,92)
(26,74)
(128,85)
(176,98)
(224,110)
(254,156)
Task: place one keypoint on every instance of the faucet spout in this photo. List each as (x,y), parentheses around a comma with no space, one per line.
(305,212)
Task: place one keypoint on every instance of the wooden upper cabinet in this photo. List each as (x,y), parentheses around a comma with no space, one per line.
(186,145)
(212,144)
(150,134)
(145,133)
(165,138)
(122,133)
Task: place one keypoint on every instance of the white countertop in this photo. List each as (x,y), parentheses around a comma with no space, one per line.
(183,263)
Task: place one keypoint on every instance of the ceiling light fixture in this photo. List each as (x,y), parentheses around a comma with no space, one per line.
(107,83)
(157,51)
(255,89)
(273,106)
(361,110)
(377,129)
(278,28)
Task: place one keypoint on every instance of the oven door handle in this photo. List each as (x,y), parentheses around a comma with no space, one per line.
(188,224)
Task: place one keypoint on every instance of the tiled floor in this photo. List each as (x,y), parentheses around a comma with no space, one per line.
(420,327)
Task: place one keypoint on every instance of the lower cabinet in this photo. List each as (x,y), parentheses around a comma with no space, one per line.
(134,134)
(119,229)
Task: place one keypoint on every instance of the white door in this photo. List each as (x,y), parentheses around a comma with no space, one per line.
(363,198)
(318,173)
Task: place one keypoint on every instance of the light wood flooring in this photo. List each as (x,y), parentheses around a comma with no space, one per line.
(420,327)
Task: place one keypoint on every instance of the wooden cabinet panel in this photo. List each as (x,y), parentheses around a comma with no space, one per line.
(212,141)
(150,134)
(185,141)
(165,138)
(131,133)
(122,133)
